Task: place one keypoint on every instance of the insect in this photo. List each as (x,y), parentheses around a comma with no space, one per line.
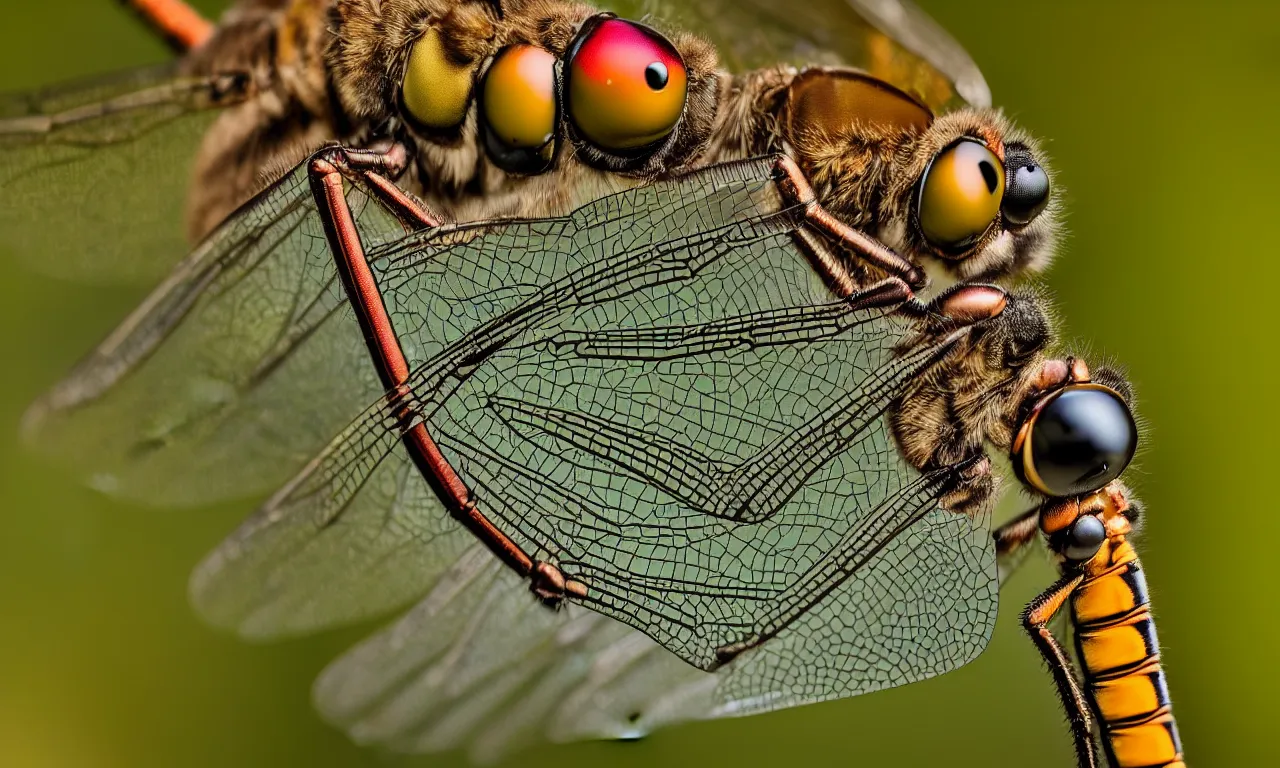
(1102,580)
(277,84)
(673,362)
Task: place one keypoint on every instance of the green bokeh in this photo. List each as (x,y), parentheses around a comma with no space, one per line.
(1160,119)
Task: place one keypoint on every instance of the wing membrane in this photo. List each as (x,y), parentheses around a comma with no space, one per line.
(656,392)
(296,567)
(93,176)
(671,406)
(512,675)
(234,372)
(523,675)
(892,39)
(579,372)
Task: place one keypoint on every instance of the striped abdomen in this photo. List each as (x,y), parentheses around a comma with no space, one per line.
(1116,640)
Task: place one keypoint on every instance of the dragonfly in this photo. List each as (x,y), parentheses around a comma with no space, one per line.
(508,298)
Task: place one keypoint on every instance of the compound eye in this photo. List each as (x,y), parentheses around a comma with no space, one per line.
(518,107)
(960,195)
(626,86)
(1081,438)
(436,90)
(1084,538)
(1028,190)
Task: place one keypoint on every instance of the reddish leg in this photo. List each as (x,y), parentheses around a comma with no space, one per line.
(373,170)
(795,189)
(180,24)
(329,172)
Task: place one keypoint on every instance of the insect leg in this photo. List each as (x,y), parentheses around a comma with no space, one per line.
(1012,540)
(180,24)
(1035,619)
(795,190)
(374,170)
(329,171)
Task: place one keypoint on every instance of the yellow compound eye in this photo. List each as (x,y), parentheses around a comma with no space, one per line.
(626,86)
(518,105)
(960,195)
(436,91)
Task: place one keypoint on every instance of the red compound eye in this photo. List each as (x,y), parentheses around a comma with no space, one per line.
(626,86)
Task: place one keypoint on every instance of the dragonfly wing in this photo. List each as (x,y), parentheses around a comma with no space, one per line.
(478,665)
(892,39)
(927,55)
(93,176)
(303,564)
(234,373)
(658,394)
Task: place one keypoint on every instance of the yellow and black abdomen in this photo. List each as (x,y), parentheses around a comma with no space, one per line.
(1116,640)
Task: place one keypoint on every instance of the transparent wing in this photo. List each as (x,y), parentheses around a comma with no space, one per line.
(658,394)
(232,374)
(670,405)
(892,39)
(478,665)
(685,307)
(93,176)
(299,566)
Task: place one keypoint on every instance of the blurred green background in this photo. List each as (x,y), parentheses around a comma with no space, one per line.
(1161,121)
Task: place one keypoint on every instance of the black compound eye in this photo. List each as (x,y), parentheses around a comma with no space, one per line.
(1084,538)
(1027,186)
(1081,439)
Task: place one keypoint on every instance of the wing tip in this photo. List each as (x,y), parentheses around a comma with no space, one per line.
(31,424)
(217,605)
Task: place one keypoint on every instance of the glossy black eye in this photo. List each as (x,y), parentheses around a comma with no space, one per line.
(1081,438)
(1084,538)
(1027,190)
